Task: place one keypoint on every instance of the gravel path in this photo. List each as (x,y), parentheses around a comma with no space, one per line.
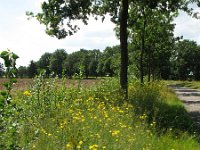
(191,99)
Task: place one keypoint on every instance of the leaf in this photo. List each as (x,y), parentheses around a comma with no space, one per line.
(14,80)
(15,56)
(4,53)
(6,85)
(3,93)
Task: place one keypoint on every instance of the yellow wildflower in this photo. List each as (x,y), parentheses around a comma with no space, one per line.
(93,147)
(27,93)
(90,98)
(69,146)
(144,116)
(80,142)
(115,132)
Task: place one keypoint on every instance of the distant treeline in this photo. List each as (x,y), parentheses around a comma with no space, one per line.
(178,61)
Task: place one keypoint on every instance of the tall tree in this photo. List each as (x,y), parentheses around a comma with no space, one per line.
(32,69)
(22,72)
(57,61)
(93,65)
(186,59)
(44,63)
(153,35)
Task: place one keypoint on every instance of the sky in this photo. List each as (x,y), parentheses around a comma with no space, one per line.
(27,38)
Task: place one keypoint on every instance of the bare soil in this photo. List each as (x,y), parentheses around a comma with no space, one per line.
(24,84)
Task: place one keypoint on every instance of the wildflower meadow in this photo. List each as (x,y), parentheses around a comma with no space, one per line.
(52,115)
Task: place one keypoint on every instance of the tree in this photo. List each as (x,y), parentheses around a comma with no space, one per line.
(151,30)
(72,64)
(93,65)
(109,61)
(186,59)
(57,13)
(22,72)
(32,69)
(57,61)
(44,63)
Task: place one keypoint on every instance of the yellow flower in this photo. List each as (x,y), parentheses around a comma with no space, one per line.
(80,142)
(144,116)
(93,147)
(90,98)
(115,132)
(27,93)
(69,146)
(43,131)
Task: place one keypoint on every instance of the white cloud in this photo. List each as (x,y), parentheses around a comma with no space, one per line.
(28,39)
(187,27)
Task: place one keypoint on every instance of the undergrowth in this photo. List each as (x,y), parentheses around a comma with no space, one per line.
(53,116)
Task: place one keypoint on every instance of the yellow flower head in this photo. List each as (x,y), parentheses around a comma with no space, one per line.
(80,142)
(69,146)
(93,147)
(115,132)
(90,98)
(27,93)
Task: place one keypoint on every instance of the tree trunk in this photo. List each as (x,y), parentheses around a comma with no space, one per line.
(142,51)
(124,48)
(149,64)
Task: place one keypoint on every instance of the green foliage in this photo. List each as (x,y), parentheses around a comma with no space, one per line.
(186,60)
(44,63)
(57,60)
(32,69)
(22,72)
(9,58)
(8,124)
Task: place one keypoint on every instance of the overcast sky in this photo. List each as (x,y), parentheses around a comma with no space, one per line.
(27,38)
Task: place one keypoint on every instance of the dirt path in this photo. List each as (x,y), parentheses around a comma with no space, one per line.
(191,99)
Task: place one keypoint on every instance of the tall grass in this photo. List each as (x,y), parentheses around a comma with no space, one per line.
(53,116)
(161,106)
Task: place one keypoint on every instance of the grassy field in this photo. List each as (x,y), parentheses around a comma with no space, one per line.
(57,114)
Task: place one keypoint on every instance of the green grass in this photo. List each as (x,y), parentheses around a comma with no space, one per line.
(191,84)
(51,116)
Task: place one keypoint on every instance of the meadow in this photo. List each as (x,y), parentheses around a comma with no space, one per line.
(62,114)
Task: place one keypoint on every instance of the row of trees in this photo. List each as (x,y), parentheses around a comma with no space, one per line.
(90,62)
(173,61)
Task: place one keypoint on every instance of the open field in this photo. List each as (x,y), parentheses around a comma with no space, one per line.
(25,83)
